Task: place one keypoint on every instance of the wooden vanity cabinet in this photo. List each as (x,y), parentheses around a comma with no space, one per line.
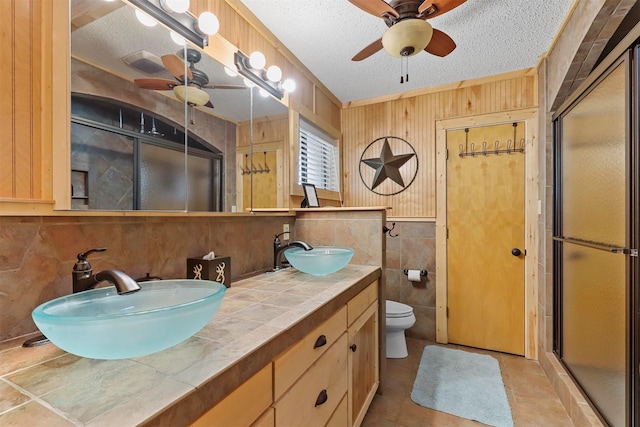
(363,361)
(326,379)
(246,405)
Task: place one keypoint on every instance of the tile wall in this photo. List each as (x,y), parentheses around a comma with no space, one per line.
(414,248)
(37,254)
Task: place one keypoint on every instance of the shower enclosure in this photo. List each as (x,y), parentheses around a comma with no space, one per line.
(596,241)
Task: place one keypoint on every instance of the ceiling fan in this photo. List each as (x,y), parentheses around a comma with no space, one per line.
(408,32)
(187,88)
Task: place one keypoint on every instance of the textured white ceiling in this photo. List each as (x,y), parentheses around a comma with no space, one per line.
(492,37)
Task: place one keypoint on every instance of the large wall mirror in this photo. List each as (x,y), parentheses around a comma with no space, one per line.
(136,144)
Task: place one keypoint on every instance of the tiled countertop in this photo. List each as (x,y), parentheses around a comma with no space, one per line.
(259,318)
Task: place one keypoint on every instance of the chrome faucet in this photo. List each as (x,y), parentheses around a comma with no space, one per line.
(84,279)
(279,248)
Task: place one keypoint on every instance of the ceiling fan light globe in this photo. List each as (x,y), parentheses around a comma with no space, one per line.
(191,95)
(208,23)
(406,38)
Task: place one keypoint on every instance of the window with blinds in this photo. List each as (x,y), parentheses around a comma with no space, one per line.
(318,159)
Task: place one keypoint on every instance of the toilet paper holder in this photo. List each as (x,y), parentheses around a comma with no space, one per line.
(423,273)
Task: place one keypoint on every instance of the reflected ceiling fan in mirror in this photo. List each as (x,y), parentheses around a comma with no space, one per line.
(408,32)
(187,88)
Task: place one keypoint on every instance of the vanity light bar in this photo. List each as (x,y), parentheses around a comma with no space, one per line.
(184,24)
(255,75)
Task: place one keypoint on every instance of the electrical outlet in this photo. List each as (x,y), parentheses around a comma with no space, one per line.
(285,229)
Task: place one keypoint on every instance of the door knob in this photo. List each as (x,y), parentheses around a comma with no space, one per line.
(516,252)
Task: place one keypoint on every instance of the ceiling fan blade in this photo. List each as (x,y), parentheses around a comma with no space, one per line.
(440,6)
(440,44)
(368,51)
(155,84)
(175,65)
(223,86)
(375,7)
(209,104)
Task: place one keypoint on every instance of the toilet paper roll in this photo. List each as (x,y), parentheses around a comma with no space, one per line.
(413,275)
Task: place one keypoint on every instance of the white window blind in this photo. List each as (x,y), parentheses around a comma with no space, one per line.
(318,161)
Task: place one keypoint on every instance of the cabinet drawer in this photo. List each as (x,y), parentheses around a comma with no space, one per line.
(296,360)
(339,417)
(313,399)
(244,405)
(268,419)
(358,304)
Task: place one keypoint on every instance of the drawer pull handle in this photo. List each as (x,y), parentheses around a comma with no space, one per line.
(322,398)
(353,347)
(322,340)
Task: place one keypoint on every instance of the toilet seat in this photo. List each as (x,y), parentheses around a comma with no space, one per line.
(397,309)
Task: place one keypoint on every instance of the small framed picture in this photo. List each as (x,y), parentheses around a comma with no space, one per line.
(311,195)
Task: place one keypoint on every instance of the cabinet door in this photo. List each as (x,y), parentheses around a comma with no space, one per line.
(363,363)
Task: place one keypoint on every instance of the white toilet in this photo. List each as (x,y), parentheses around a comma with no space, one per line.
(399,317)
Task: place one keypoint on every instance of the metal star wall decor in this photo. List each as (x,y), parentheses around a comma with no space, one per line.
(388,165)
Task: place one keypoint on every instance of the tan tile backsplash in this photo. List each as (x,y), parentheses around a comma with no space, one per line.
(37,254)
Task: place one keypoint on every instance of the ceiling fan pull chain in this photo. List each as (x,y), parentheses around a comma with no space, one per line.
(407,78)
(401,71)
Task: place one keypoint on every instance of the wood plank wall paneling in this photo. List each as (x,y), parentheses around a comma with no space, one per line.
(6,101)
(325,108)
(413,119)
(21,52)
(267,130)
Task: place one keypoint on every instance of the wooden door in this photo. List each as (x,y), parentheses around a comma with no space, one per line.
(485,222)
(264,178)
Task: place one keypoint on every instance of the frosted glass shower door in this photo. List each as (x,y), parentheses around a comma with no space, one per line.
(163,185)
(593,221)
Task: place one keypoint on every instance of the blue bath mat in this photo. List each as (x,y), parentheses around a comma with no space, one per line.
(463,384)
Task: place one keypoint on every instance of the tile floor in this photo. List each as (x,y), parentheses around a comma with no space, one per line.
(531,397)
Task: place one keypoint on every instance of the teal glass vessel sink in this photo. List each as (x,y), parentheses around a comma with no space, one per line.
(320,260)
(101,324)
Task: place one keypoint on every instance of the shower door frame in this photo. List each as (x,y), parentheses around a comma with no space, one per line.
(632,219)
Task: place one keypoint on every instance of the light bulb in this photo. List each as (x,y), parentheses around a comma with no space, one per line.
(177,39)
(263,93)
(145,19)
(249,83)
(274,73)
(178,6)
(289,85)
(230,72)
(208,23)
(257,60)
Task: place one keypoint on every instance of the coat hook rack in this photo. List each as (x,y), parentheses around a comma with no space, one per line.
(511,146)
(253,169)
(386,229)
